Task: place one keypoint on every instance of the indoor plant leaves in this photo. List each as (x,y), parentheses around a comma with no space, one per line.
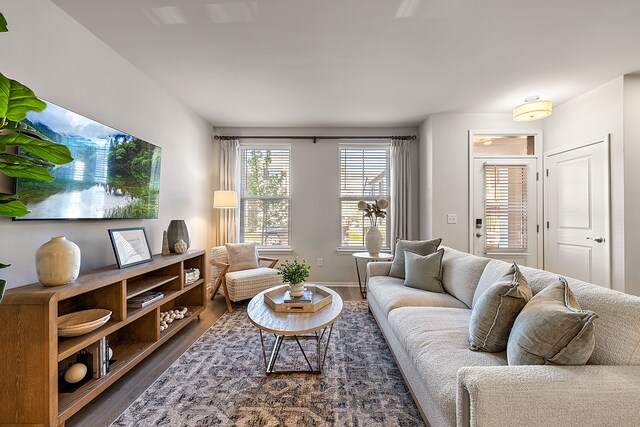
(16,100)
(3,29)
(50,151)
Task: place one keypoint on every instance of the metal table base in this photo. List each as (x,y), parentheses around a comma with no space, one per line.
(317,337)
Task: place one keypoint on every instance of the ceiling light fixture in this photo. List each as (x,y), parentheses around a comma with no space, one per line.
(532,109)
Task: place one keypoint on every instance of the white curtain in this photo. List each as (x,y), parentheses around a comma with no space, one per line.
(400,191)
(228,226)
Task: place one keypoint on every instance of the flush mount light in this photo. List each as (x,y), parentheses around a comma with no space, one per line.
(532,109)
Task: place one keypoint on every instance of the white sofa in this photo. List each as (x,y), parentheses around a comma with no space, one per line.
(452,385)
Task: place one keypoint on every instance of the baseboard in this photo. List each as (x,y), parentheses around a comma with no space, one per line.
(338,284)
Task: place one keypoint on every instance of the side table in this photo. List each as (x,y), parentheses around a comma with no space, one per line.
(368,257)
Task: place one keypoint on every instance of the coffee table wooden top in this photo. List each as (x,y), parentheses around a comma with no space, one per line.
(287,323)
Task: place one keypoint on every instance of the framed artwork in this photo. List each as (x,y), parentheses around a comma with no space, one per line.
(130,246)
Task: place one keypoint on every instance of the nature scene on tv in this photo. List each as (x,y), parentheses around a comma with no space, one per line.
(113,174)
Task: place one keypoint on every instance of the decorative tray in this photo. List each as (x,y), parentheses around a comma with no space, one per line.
(275,300)
(82,322)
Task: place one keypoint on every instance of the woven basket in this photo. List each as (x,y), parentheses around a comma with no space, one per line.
(82,322)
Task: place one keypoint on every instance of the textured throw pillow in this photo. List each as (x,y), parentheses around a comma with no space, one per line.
(496,310)
(242,256)
(423,272)
(552,330)
(422,247)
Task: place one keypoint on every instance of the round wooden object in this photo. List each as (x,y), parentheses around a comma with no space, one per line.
(287,323)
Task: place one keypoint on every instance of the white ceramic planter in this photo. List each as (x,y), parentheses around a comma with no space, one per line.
(373,241)
(296,290)
(57,262)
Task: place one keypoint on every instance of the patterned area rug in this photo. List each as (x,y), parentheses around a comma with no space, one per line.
(221,381)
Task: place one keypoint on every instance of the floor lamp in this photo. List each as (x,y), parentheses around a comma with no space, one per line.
(222,199)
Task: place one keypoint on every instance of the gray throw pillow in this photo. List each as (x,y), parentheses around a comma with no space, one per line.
(422,247)
(423,272)
(496,310)
(552,330)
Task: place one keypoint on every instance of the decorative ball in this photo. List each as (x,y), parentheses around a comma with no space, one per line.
(75,373)
(180,246)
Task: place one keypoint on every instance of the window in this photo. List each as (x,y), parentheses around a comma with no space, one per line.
(364,175)
(264,194)
(506,209)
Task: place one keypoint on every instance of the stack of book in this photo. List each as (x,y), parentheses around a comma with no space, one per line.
(307,297)
(99,361)
(144,299)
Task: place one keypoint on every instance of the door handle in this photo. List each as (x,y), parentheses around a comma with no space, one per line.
(478,234)
(597,239)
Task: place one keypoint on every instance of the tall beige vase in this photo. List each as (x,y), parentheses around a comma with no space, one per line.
(58,262)
(373,241)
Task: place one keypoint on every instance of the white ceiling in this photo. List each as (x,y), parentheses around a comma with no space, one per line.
(366,62)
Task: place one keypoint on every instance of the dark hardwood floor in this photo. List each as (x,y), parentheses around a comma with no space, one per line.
(103,410)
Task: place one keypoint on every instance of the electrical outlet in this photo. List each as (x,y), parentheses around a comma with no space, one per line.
(320,262)
(452,219)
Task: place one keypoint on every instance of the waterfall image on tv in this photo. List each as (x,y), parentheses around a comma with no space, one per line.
(113,174)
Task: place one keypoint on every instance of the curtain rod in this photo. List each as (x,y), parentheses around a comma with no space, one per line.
(314,138)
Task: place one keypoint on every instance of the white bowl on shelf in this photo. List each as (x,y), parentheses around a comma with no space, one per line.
(82,322)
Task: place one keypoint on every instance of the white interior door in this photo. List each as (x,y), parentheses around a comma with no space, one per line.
(505,209)
(577,240)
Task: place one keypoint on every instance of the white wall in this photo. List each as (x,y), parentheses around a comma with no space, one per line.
(444,175)
(585,118)
(67,65)
(631,182)
(314,214)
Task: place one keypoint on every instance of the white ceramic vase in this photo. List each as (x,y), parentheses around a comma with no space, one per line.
(296,290)
(57,262)
(373,241)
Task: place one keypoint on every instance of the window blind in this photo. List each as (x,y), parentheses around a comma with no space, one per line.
(505,209)
(264,209)
(364,175)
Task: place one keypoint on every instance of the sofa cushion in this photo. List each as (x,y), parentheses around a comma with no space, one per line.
(390,293)
(496,310)
(242,256)
(461,273)
(617,334)
(423,272)
(552,329)
(493,271)
(436,340)
(423,247)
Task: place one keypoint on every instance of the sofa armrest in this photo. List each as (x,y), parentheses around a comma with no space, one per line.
(380,268)
(537,395)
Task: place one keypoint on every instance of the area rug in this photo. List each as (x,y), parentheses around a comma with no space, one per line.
(220,381)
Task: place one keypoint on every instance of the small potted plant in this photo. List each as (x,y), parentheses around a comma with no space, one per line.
(294,273)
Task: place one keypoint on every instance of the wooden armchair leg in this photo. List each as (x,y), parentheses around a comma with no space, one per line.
(220,281)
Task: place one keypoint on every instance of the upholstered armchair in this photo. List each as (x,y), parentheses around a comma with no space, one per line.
(241,273)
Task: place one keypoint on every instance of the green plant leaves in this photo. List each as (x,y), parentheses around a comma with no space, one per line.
(26,171)
(13,208)
(2,287)
(3,24)
(50,151)
(16,100)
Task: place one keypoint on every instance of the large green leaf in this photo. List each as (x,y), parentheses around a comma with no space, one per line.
(50,151)
(3,24)
(23,160)
(25,129)
(14,208)
(26,171)
(4,265)
(16,100)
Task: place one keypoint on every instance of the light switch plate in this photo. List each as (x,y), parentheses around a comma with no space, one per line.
(452,218)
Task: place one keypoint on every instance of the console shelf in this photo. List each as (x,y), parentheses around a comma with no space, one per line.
(32,356)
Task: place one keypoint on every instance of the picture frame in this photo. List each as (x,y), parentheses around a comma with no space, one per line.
(130,246)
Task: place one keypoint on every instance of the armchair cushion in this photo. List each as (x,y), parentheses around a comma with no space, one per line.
(242,256)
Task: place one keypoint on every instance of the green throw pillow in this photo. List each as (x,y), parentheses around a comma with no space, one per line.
(496,310)
(423,272)
(552,329)
(421,247)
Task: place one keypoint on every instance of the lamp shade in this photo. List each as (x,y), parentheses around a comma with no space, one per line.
(532,110)
(223,199)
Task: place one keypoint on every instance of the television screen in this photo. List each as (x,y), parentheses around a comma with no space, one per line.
(113,174)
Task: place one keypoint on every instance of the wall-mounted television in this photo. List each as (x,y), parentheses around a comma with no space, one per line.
(114,175)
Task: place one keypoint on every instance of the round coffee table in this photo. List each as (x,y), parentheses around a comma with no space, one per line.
(295,326)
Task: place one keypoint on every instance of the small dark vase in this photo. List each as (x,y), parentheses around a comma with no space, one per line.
(178,230)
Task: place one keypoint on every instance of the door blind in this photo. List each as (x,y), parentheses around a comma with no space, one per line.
(505,192)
